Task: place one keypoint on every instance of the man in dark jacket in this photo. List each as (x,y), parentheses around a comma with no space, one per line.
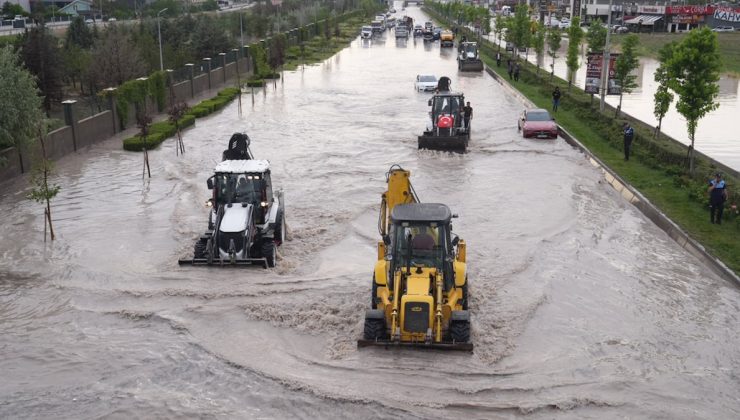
(556,99)
(717,197)
(468,110)
(629,135)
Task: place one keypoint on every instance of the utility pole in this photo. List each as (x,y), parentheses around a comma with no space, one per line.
(159,32)
(606,58)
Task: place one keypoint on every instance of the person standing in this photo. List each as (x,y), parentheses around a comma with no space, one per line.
(510,69)
(498,59)
(468,110)
(556,98)
(516,72)
(629,135)
(717,197)
(443,84)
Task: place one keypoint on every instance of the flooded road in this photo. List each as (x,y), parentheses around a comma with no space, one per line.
(715,133)
(580,306)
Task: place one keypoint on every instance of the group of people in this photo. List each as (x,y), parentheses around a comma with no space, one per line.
(513,69)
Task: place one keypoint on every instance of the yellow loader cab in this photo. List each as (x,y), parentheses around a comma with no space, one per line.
(420,290)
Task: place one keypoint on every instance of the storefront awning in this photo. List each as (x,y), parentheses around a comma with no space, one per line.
(646,20)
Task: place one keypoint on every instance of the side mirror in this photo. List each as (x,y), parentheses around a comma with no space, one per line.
(455,240)
(209,182)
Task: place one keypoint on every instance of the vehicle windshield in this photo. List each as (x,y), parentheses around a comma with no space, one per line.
(428,244)
(427,79)
(447,105)
(470,48)
(538,116)
(237,188)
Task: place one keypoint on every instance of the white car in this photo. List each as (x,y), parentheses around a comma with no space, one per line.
(366,32)
(425,82)
(723,29)
(564,24)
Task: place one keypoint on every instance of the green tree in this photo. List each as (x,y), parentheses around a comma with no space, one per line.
(694,75)
(10,10)
(498,29)
(79,34)
(538,43)
(520,31)
(40,54)
(20,104)
(663,96)
(596,37)
(41,190)
(76,64)
(554,40)
(209,38)
(624,67)
(575,35)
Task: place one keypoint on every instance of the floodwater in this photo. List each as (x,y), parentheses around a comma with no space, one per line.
(581,307)
(716,134)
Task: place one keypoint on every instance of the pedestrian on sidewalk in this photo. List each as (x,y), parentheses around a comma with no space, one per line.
(510,68)
(717,197)
(516,72)
(556,98)
(498,59)
(629,135)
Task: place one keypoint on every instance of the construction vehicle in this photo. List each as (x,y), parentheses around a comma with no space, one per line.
(246,221)
(468,58)
(446,129)
(447,39)
(420,285)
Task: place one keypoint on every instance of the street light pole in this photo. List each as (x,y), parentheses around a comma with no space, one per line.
(606,59)
(159,32)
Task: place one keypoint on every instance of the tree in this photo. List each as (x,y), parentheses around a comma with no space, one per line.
(209,38)
(498,29)
(663,96)
(553,45)
(10,10)
(538,42)
(694,75)
(625,65)
(520,32)
(79,34)
(596,37)
(41,190)
(144,121)
(575,35)
(115,58)
(40,54)
(20,104)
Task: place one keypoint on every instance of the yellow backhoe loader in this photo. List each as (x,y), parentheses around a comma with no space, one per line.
(420,287)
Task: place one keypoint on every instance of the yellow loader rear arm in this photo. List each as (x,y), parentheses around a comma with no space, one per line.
(400,191)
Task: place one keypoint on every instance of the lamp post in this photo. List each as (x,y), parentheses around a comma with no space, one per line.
(159,32)
(606,60)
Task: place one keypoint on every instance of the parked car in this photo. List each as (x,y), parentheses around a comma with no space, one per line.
(366,32)
(723,29)
(621,29)
(418,30)
(564,24)
(538,123)
(425,83)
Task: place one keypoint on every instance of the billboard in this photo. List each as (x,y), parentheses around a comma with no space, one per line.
(593,74)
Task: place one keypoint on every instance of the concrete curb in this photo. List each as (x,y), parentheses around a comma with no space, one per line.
(635,198)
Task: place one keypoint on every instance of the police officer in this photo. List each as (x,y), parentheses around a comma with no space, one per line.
(629,135)
(717,197)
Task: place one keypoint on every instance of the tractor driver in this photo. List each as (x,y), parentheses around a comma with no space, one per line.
(245,190)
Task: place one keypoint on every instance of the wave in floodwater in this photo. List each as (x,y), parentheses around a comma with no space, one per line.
(581,306)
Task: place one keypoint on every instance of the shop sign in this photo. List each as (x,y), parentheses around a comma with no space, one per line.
(593,74)
(689,10)
(727,14)
(651,10)
(691,19)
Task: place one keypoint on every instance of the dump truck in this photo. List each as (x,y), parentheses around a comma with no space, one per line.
(420,284)
(447,39)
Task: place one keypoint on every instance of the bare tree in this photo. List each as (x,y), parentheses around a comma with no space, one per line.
(143,121)
(116,58)
(41,191)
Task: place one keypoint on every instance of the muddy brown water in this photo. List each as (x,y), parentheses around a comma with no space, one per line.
(581,307)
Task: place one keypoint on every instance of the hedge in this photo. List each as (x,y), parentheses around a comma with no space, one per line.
(161,131)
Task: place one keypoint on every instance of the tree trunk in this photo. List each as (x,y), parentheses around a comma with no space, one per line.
(691,154)
(619,107)
(47,211)
(657,129)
